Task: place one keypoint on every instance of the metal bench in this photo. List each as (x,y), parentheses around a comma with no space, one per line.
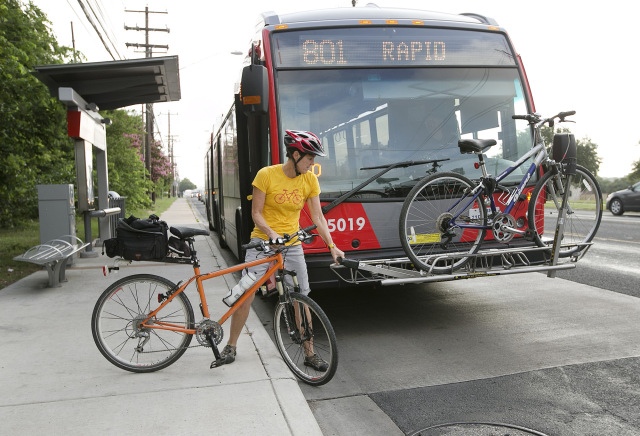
(53,255)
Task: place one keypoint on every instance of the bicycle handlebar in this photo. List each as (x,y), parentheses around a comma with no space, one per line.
(537,119)
(302,234)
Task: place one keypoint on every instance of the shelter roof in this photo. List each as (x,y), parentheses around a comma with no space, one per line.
(116,84)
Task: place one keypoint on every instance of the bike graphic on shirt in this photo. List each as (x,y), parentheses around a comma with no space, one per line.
(290,197)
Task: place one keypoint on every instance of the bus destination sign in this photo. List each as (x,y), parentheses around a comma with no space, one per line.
(378,47)
(329,52)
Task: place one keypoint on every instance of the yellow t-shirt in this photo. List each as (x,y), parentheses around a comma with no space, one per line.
(284,198)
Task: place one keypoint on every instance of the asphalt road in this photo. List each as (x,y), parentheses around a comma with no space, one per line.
(520,354)
(613,262)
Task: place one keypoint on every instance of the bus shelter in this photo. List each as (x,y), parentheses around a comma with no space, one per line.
(86,89)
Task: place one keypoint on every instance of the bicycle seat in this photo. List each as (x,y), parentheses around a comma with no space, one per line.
(188,232)
(475,145)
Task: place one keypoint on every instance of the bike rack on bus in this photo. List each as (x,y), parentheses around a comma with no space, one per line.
(484,263)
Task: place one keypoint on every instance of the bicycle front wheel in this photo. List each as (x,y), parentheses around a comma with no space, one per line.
(583,215)
(302,329)
(441,223)
(117,317)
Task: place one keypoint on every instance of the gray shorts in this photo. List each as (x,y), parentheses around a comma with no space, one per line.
(293,260)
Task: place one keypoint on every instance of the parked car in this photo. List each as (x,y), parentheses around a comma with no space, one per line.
(625,200)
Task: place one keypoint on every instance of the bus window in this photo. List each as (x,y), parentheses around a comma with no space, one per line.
(414,114)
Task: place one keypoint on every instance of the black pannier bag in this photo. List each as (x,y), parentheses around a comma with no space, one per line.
(139,239)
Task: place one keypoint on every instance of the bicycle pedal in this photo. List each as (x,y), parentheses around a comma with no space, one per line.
(218,362)
(530,235)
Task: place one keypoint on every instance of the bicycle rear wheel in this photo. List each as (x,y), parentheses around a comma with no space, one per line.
(583,216)
(116,318)
(427,234)
(301,327)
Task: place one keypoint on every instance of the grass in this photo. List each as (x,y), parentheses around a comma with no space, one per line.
(14,242)
(584,204)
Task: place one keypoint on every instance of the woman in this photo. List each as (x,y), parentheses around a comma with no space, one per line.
(279,195)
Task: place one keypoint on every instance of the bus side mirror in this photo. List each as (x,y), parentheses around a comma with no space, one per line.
(254,89)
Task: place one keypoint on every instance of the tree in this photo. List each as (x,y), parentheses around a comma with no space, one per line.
(186,184)
(587,153)
(586,150)
(34,146)
(634,175)
(161,170)
(127,172)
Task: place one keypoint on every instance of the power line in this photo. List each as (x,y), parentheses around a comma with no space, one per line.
(104,20)
(86,13)
(78,16)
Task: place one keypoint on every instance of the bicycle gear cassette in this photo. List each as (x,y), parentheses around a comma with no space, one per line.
(212,327)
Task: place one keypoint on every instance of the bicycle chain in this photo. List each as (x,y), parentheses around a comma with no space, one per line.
(217,333)
(171,349)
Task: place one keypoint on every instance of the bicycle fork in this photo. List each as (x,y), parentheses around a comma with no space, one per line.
(298,328)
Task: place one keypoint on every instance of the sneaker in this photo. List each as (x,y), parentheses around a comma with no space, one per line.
(316,362)
(228,354)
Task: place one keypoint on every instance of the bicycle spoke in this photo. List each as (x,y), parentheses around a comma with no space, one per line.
(117,324)
(441,222)
(301,329)
(581,223)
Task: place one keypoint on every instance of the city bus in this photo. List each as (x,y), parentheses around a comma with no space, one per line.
(389,92)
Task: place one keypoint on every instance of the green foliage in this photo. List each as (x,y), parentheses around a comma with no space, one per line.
(186,184)
(125,156)
(634,176)
(13,243)
(34,147)
(587,151)
(610,185)
(127,173)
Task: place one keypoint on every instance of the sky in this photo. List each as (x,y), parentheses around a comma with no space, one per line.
(578,56)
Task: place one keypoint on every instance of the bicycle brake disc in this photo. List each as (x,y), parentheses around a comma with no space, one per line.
(212,327)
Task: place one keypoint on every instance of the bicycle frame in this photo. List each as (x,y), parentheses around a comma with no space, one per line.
(540,153)
(145,322)
(278,263)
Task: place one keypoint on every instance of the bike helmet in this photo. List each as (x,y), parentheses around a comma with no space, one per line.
(304,142)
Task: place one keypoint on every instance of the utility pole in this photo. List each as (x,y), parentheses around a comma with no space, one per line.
(73,42)
(174,172)
(148,53)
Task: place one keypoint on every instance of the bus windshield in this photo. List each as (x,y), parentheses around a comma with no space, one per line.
(380,116)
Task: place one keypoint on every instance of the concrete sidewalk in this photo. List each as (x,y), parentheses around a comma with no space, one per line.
(55,380)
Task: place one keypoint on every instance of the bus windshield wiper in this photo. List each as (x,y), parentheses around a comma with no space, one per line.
(383,169)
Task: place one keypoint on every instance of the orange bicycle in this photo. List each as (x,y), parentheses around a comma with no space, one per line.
(144,322)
